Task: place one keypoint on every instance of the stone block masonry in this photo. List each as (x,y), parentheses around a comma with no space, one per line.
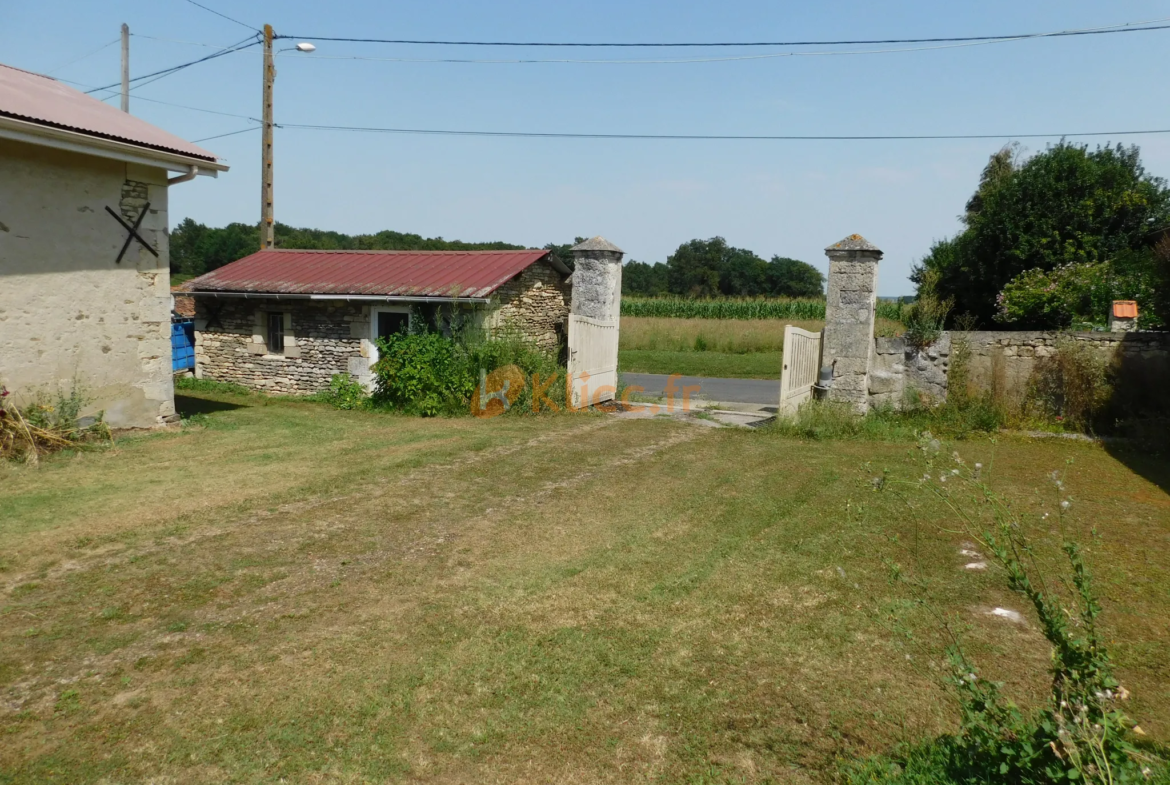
(849,319)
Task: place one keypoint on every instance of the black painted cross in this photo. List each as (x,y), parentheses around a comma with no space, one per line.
(133,230)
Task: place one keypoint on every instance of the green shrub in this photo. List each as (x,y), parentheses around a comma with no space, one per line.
(1070,295)
(344,392)
(421,373)
(428,373)
(927,316)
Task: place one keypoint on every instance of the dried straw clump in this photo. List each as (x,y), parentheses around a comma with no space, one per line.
(22,439)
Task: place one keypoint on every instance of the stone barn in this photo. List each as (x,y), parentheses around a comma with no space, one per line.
(85,293)
(286,321)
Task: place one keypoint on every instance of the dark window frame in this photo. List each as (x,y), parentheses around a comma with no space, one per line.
(275,332)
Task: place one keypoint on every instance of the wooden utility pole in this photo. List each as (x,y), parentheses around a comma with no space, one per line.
(267,225)
(125,67)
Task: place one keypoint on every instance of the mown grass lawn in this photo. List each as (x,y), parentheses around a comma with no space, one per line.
(287,592)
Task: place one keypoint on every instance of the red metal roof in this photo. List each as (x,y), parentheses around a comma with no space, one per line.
(45,101)
(453,274)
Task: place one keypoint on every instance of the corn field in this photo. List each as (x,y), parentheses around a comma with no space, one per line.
(733,308)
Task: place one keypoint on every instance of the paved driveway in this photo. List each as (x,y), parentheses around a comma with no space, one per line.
(758,391)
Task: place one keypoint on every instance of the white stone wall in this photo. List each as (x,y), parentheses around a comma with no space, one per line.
(67,310)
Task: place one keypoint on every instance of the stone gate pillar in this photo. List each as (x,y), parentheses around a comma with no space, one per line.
(597,280)
(849,319)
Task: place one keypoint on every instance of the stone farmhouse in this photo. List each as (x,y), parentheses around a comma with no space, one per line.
(285,321)
(84,262)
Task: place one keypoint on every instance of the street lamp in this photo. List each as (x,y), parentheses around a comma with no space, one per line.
(303,46)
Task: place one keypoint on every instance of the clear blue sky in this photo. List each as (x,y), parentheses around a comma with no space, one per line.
(788,198)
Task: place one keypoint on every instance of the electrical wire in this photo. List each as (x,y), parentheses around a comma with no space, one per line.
(224,16)
(1127,27)
(769,56)
(229,133)
(717,137)
(114,93)
(246,43)
(101,48)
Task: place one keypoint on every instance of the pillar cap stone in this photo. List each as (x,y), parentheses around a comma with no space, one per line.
(854,242)
(598,243)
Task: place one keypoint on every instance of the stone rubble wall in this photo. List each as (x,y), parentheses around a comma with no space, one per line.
(534,304)
(322,338)
(1003,363)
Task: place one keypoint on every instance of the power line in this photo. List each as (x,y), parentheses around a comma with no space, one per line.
(101,48)
(114,93)
(247,42)
(735,58)
(224,16)
(711,137)
(1128,27)
(229,133)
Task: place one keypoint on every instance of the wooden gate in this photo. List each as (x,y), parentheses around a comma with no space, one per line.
(802,363)
(593,356)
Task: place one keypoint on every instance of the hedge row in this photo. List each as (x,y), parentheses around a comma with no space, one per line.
(731,308)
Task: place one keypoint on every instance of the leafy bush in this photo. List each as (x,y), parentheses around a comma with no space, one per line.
(421,373)
(1082,734)
(345,392)
(1071,295)
(926,317)
(428,373)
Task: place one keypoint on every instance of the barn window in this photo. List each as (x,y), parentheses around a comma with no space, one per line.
(275,332)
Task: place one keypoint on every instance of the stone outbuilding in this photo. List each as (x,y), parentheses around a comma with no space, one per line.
(85,292)
(285,321)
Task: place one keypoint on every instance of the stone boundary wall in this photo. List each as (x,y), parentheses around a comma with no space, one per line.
(535,304)
(322,338)
(1004,363)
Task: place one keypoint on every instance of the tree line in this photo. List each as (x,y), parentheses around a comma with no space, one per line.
(699,268)
(197,248)
(712,268)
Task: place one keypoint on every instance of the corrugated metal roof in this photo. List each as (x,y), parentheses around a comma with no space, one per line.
(444,274)
(45,101)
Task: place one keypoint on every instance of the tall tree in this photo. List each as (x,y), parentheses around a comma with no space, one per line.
(794,278)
